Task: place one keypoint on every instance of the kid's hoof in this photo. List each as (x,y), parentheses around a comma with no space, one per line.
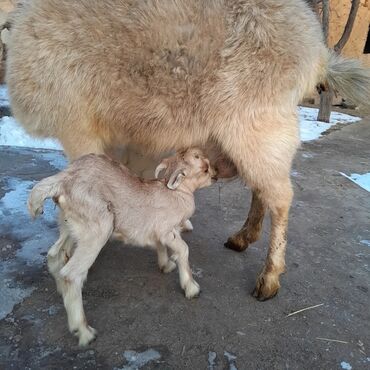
(192,289)
(168,267)
(86,335)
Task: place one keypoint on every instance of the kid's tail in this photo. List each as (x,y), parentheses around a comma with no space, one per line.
(46,188)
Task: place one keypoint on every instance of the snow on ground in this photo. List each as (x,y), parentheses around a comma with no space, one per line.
(4,100)
(360,180)
(365,242)
(34,238)
(311,129)
(13,134)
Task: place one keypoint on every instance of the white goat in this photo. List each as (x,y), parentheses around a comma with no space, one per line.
(101,198)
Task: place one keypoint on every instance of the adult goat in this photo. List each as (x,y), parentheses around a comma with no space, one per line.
(163,75)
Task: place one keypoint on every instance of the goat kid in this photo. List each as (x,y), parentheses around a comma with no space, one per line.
(100,198)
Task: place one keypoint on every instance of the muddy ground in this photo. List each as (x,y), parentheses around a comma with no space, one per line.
(142,317)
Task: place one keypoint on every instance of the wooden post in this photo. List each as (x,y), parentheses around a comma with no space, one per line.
(326,99)
(326,96)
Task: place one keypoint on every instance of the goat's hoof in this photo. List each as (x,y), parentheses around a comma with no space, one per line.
(168,267)
(192,289)
(187,226)
(86,335)
(52,253)
(236,244)
(267,287)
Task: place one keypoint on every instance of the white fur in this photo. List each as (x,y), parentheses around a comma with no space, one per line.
(100,199)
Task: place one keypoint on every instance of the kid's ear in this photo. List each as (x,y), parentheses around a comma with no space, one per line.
(176,179)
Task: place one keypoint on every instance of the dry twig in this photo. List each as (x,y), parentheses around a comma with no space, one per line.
(305,309)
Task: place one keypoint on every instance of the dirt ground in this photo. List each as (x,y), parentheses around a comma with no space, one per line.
(144,321)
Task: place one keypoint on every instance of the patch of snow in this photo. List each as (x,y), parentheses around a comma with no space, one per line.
(231,360)
(198,272)
(12,134)
(10,293)
(55,159)
(34,239)
(4,99)
(311,129)
(136,360)
(361,180)
(365,242)
(211,360)
(307,155)
(345,365)
(295,173)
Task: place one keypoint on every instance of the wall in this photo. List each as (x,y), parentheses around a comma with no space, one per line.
(339,11)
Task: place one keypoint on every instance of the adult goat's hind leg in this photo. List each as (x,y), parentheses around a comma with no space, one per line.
(252,228)
(278,197)
(263,153)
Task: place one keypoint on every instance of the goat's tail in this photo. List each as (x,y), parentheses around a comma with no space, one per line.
(350,78)
(46,188)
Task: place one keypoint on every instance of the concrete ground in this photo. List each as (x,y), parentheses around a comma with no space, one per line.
(142,317)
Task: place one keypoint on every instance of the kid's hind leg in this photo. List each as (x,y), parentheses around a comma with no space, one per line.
(165,264)
(60,253)
(75,272)
(63,237)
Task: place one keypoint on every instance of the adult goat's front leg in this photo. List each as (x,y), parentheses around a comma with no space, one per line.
(251,230)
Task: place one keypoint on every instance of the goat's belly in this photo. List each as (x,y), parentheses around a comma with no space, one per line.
(135,239)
